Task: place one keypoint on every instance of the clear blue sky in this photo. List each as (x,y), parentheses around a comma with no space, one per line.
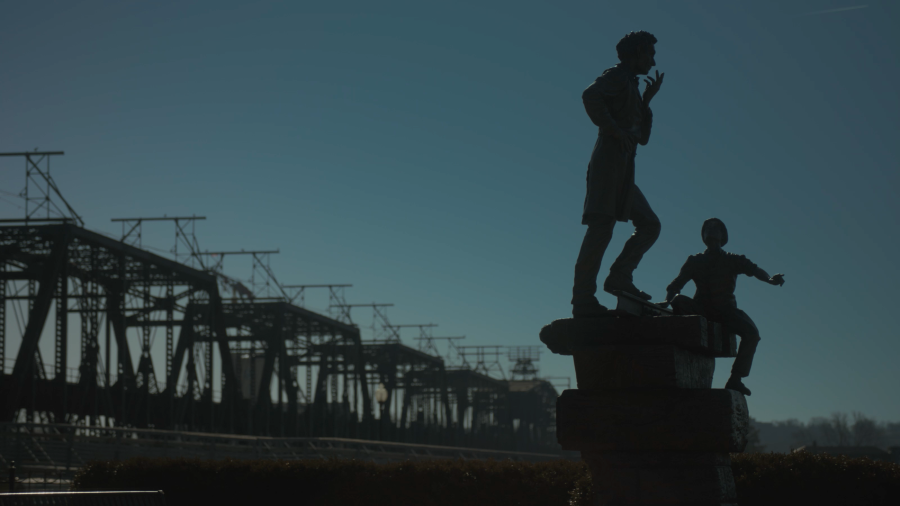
(433,154)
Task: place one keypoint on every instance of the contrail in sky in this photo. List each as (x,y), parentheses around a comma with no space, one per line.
(829,11)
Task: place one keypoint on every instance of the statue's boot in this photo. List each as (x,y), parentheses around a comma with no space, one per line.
(620,282)
(735,383)
(592,310)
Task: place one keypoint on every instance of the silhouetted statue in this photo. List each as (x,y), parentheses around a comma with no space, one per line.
(714,272)
(616,106)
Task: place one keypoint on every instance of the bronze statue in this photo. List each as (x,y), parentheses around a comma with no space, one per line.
(714,272)
(623,116)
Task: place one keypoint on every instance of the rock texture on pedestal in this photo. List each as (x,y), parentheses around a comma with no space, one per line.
(661,478)
(642,366)
(695,420)
(644,416)
(694,333)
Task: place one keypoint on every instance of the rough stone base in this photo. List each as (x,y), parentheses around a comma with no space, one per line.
(568,335)
(685,420)
(637,366)
(654,478)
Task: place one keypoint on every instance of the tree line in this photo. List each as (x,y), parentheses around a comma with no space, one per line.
(838,429)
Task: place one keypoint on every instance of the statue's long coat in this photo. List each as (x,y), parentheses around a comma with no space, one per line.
(614,100)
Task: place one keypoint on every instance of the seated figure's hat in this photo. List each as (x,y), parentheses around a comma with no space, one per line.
(716,222)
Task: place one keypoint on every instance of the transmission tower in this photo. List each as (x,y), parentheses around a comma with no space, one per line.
(259,288)
(43,200)
(486,359)
(132,231)
(297,294)
(524,358)
(379,314)
(394,330)
(451,357)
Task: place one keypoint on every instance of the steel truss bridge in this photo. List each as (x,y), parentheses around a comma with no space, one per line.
(252,367)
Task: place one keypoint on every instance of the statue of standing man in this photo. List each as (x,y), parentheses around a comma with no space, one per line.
(623,116)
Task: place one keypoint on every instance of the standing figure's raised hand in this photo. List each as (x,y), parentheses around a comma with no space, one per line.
(652,86)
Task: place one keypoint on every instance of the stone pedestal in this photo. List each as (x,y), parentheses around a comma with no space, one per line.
(644,416)
(649,478)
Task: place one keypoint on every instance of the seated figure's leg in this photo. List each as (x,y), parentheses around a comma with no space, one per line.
(738,322)
(596,239)
(682,305)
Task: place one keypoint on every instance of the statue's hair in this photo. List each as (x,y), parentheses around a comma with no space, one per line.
(632,43)
(715,222)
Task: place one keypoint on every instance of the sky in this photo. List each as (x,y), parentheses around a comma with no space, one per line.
(433,154)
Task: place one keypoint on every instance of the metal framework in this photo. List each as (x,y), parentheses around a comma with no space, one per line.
(524,358)
(451,356)
(486,359)
(132,233)
(104,333)
(43,200)
(253,365)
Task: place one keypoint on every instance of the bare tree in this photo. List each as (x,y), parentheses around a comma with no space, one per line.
(841,426)
(866,431)
(802,434)
(754,444)
(832,431)
(892,434)
(836,430)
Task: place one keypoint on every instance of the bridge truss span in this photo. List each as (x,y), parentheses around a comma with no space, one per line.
(98,332)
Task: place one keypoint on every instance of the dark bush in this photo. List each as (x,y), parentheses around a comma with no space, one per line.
(339,482)
(802,478)
(769,479)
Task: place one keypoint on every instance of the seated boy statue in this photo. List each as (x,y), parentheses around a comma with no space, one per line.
(714,272)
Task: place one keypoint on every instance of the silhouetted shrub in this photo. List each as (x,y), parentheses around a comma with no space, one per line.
(769,479)
(339,482)
(803,478)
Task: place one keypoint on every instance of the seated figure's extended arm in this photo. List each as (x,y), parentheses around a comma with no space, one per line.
(685,275)
(745,266)
(762,275)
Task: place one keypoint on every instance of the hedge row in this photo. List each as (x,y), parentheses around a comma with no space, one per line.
(760,478)
(339,482)
(803,478)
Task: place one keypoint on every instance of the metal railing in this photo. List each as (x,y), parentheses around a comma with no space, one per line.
(117,498)
(57,447)
(35,479)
